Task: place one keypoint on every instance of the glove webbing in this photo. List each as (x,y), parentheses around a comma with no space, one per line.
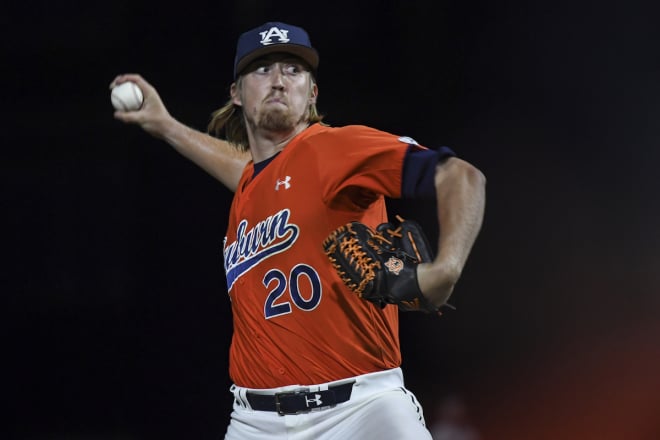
(367,266)
(398,234)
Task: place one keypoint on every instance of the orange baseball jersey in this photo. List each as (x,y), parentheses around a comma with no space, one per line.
(294,320)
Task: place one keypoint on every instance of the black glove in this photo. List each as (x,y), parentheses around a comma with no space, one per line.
(381,265)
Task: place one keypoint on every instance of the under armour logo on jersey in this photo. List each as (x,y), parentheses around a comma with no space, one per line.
(282,36)
(284,182)
(317,400)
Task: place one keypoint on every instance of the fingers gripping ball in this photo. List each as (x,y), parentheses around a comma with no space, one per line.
(126,97)
(381,266)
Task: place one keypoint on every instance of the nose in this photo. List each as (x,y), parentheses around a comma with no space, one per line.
(277,77)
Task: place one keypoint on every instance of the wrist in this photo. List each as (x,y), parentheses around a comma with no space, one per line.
(437,280)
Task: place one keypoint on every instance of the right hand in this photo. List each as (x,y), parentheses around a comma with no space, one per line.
(153,116)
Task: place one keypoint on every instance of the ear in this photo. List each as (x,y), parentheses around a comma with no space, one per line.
(314,94)
(235,95)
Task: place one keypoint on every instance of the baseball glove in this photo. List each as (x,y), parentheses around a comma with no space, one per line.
(381,265)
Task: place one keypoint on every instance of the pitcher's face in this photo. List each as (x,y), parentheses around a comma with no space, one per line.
(275,93)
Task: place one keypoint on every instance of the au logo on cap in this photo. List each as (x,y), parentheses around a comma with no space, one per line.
(274,37)
(282,36)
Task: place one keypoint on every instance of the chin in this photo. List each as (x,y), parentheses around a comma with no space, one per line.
(277,121)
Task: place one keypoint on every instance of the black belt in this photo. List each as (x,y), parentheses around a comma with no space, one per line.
(300,401)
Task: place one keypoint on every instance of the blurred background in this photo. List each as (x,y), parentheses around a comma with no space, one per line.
(117,320)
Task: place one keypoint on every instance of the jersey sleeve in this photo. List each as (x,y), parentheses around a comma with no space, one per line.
(360,163)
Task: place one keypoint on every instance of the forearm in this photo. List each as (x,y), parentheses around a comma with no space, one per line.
(460,191)
(215,156)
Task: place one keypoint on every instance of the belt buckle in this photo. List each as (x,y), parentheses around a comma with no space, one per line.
(298,392)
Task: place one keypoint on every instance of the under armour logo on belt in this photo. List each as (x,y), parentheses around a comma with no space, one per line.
(316,399)
(284,182)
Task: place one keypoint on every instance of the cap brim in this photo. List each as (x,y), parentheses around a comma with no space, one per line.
(307,54)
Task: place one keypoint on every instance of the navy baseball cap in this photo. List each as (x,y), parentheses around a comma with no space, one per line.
(274,37)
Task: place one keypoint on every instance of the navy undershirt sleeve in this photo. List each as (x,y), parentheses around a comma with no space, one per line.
(418,179)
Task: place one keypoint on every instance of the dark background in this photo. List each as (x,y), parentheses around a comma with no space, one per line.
(117,321)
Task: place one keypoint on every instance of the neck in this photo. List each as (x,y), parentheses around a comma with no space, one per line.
(266,144)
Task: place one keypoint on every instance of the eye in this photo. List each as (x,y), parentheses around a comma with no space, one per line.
(263,69)
(293,69)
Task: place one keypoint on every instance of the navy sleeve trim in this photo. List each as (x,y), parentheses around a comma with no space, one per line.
(418,178)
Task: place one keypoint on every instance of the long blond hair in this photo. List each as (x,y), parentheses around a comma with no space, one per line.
(227,122)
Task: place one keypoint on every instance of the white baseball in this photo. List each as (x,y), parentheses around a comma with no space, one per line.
(126,97)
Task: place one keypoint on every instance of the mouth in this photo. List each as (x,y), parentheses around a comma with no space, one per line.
(276,102)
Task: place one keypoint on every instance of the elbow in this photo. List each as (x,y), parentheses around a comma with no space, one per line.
(473,175)
(455,169)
